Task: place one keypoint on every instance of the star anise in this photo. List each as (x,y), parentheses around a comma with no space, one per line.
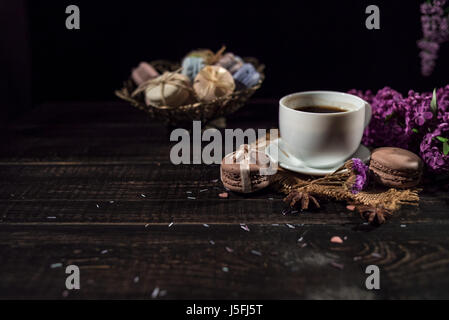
(374,215)
(305,198)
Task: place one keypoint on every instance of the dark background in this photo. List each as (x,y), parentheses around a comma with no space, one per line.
(304,44)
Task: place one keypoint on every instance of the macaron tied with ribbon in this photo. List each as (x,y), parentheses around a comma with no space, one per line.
(247,76)
(191,66)
(171,89)
(213,82)
(230,62)
(208,55)
(143,72)
(240,170)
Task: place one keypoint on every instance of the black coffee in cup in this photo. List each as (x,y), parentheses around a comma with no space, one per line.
(319,109)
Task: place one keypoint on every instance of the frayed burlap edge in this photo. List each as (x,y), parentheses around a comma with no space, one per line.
(390,199)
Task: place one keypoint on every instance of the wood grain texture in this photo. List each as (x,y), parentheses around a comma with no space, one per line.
(92,185)
(181,260)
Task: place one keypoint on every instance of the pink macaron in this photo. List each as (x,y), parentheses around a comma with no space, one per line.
(143,73)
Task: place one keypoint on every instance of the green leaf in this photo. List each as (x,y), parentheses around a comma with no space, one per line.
(389,117)
(442,139)
(415,130)
(445,148)
(433,103)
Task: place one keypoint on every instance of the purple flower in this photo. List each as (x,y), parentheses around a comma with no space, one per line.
(421,115)
(365,95)
(431,149)
(435,29)
(443,104)
(444,117)
(417,108)
(361,178)
(386,124)
(410,123)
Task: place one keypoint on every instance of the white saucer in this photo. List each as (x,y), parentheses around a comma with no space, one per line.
(289,162)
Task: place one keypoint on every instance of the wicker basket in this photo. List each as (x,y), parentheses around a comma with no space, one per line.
(202,111)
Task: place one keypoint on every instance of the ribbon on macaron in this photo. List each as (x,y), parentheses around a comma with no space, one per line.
(244,156)
(172,78)
(217,78)
(208,55)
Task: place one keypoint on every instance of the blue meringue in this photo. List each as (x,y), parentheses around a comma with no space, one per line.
(247,75)
(191,66)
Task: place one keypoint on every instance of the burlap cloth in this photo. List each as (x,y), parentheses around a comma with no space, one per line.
(335,187)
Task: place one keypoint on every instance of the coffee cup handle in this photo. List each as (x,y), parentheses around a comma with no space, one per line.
(368,114)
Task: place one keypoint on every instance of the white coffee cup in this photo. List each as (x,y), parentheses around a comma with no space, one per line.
(322,140)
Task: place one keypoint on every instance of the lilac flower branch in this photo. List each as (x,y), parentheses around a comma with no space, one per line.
(418,122)
(435,29)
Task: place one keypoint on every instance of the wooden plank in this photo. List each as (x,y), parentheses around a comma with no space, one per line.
(194,212)
(167,211)
(85,150)
(95,144)
(145,177)
(159,194)
(182,261)
(119,112)
(141,174)
(100,132)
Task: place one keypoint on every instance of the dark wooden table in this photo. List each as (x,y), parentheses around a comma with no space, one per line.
(91,184)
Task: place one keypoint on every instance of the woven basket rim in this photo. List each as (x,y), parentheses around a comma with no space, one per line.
(205,111)
(234,95)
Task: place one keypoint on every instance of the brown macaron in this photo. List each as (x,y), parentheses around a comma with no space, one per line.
(396,167)
(245,179)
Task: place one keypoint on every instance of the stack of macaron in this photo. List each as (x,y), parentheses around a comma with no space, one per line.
(240,171)
(205,76)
